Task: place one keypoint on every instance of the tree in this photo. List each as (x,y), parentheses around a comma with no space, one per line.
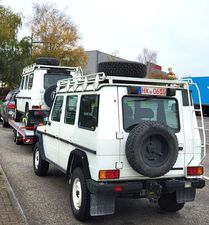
(149,58)
(54,34)
(13,56)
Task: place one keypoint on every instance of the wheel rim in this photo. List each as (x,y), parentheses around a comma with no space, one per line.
(36,159)
(77,194)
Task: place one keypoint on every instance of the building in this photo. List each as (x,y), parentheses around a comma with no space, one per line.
(95,57)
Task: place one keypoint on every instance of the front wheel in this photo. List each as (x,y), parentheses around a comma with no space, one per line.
(79,195)
(40,166)
(168,203)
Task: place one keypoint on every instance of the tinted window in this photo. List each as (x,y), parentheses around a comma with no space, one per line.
(88,116)
(70,110)
(22,83)
(30,81)
(139,109)
(26,82)
(51,79)
(8,97)
(57,109)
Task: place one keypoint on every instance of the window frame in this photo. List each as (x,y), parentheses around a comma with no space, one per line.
(97,115)
(153,97)
(76,107)
(52,112)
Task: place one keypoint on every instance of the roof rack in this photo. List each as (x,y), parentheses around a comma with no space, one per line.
(100,79)
(28,69)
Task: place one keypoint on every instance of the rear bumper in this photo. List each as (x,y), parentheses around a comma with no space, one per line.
(129,187)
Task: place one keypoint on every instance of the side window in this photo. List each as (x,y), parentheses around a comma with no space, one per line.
(70,110)
(57,110)
(26,82)
(88,115)
(22,83)
(30,81)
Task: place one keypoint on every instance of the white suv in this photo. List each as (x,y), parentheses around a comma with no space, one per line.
(115,135)
(37,87)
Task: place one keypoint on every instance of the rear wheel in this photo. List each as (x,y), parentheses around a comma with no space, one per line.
(40,166)
(168,203)
(79,195)
(5,124)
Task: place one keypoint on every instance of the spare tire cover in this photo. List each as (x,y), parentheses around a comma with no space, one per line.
(49,95)
(123,69)
(152,148)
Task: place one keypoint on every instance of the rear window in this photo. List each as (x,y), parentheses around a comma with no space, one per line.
(51,79)
(138,109)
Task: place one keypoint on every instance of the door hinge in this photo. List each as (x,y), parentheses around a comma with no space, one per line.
(119,135)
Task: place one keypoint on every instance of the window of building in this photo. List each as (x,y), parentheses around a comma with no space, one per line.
(57,109)
(88,116)
(70,111)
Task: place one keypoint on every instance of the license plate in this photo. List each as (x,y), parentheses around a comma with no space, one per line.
(152,91)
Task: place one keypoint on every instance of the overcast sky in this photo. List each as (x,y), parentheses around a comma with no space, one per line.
(176,29)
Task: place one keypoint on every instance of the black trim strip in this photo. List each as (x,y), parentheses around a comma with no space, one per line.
(23,97)
(59,167)
(178,168)
(69,142)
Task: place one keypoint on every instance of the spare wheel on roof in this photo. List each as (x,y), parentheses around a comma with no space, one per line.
(123,68)
(151,148)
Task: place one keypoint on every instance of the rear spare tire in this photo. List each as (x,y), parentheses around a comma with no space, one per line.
(152,148)
(123,68)
(49,95)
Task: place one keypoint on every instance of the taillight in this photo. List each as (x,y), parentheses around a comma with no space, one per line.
(195,171)
(11,105)
(109,174)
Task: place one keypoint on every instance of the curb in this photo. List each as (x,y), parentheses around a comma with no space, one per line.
(16,205)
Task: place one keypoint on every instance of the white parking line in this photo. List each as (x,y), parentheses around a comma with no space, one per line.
(206,178)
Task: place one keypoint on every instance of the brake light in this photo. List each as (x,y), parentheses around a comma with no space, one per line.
(11,105)
(109,174)
(118,188)
(195,171)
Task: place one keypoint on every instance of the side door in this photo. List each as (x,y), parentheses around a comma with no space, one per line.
(51,137)
(67,131)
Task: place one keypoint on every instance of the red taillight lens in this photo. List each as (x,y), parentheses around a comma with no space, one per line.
(118,189)
(109,174)
(195,171)
(11,105)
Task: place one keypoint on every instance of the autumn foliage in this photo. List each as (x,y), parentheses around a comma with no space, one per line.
(54,34)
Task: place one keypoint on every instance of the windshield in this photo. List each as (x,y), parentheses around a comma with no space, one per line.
(52,78)
(139,109)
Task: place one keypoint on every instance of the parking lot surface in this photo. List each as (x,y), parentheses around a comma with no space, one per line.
(45,200)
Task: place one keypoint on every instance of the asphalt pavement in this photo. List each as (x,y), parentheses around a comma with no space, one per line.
(45,200)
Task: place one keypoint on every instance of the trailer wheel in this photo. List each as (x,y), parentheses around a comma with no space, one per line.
(40,166)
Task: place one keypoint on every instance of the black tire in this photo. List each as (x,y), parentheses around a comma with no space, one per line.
(5,124)
(18,116)
(124,69)
(49,95)
(152,148)
(80,209)
(47,61)
(167,202)
(40,166)
(28,117)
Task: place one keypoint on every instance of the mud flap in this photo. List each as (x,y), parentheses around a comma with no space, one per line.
(185,195)
(102,204)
